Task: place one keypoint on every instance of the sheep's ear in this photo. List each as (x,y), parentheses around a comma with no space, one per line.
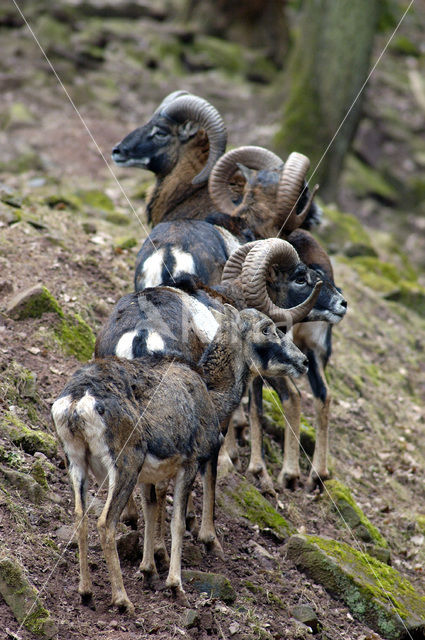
(217,315)
(188,130)
(232,313)
(245,171)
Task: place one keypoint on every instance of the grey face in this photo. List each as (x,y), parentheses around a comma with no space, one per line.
(271,352)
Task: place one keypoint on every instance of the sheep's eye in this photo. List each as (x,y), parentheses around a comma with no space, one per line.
(161,134)
(300,280)
(266,330)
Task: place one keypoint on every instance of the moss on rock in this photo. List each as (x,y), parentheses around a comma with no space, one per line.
(343,233)
(75,336)
(374,592)
(366,181)
(273,411)
(31,440)
(95,199)
(348,510)
(250,504)
(39,474)
(32,303)
(24,600)
(26,486)
(214,584)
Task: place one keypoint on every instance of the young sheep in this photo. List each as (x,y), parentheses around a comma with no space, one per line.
(151,419)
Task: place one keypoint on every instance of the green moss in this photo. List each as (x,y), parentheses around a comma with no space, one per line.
(391,282)
(365,181)
(259,511)
(348,510)
(63,201)
(402,45)
(374,592)
(343,233)
(39,475)
(35,305)
(117,218)
(75,336)
(127,242)
(30,440)
(96,199)
(17,114)
(216,52)
(420,519)
(273,410)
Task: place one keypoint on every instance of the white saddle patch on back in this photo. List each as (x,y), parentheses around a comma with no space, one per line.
(152,269)
(184,262)
(230,241)
(154,342)
(124,348)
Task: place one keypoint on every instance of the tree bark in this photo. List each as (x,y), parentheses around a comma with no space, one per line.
(327,68)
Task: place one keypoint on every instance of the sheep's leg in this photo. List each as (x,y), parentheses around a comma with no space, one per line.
(257,465)
(225,462)
(79,482)
(316,374)
(150,514)
(121,484)
(130,514)
(182,488)
(238,421)
(291,402)
(160,550)
(207,533)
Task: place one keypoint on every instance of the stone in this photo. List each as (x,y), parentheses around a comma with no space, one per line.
(66,535)
(32,303)
(190,618)
(375,593)
(214,584)
(31,440)
(26,485)
(305,614)
(128,547)
(24,600)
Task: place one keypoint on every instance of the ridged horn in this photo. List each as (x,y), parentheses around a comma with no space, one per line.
(190,107)
(233,267)
(170,98)
(250,156)
(254,273)
(289,190)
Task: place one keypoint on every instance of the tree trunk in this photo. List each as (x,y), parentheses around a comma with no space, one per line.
(328,65)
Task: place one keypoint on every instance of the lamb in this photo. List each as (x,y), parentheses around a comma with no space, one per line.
(180,144)
(150,419)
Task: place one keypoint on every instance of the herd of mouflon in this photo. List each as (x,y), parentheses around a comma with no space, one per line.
(230,289)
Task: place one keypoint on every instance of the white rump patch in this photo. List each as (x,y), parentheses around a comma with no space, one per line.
(154,342)
(205,323)
(124,348)
(230,241)
(60,409)
(152,269)
(184,262)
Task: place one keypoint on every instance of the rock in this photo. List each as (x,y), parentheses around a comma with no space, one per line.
(381,554)
(31,440)
(246,501)
(305,614)
(17,115)
(39,474)
(24,600)
(128,547)
(32,303)
(190,618)
(343,503)
(66,535)
(24,483)
(234,628)
(215,584)
(364,584)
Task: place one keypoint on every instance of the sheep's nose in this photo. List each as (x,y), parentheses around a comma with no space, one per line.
(116,150)
(305,362)
(344,304)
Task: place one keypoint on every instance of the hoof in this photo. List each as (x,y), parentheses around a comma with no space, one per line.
(266,483)
(179,595)
(315,481)
(124,606)
(87,600)
(288,481)
(212,545)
